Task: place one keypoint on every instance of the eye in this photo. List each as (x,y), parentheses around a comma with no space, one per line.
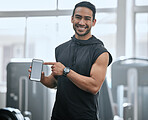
(87,18)
(78,17)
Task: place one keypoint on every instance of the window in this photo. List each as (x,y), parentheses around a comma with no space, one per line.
(21,5)
(12,37)
(105,3)
(69,4)
(141,2)
(105,29)
(45,33)
(142,35)
(41,37)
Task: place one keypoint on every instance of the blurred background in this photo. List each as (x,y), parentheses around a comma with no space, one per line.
(33,28)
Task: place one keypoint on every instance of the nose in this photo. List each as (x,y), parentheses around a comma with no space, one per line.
(82,22)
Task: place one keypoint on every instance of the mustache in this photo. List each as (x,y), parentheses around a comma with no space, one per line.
(78,25)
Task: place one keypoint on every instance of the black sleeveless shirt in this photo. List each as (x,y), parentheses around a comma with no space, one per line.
(72,103)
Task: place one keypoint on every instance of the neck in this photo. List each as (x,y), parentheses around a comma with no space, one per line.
(85,37)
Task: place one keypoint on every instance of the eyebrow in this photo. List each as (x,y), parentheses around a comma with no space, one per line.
(77,15)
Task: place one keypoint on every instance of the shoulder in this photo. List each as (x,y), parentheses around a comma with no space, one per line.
(63,45)
(98,44)
(99,49)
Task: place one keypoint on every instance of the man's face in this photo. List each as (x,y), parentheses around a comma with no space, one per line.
(83,21)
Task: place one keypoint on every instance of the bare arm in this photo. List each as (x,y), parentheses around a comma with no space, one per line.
(48,81)
(90,84)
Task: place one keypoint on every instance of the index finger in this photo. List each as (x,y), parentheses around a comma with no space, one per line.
(49,63)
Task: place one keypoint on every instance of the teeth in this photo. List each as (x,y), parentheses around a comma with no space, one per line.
(81,28)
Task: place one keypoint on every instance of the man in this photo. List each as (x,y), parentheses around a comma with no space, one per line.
(80,69)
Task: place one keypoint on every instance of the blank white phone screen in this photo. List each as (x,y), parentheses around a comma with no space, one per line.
(36,70)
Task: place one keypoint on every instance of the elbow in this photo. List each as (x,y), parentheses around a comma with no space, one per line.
(95,90)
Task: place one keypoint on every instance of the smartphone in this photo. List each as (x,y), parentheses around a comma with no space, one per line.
(36,70)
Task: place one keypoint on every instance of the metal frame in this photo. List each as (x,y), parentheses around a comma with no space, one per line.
(41,13)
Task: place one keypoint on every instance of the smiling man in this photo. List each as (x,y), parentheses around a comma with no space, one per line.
(83,20)
(79,70)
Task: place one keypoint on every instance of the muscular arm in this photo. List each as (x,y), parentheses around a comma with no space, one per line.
(90,84)
(93,83)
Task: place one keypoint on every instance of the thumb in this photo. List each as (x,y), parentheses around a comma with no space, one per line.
(42,76)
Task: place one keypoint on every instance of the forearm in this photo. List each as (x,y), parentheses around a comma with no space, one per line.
(85,83)
(49,81)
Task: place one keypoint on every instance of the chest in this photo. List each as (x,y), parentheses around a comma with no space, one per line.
(78,58)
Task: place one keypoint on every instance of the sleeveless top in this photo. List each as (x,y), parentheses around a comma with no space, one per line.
(72,103)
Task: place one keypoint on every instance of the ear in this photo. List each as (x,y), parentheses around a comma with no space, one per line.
(94,22)
(71,19)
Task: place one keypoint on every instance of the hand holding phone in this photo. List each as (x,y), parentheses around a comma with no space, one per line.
(36,69)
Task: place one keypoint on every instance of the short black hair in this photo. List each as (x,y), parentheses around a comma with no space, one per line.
(87,5)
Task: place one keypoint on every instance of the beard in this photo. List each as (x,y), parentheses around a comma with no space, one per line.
(79,33)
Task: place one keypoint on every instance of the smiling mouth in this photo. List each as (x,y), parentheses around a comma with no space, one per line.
(81,28)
